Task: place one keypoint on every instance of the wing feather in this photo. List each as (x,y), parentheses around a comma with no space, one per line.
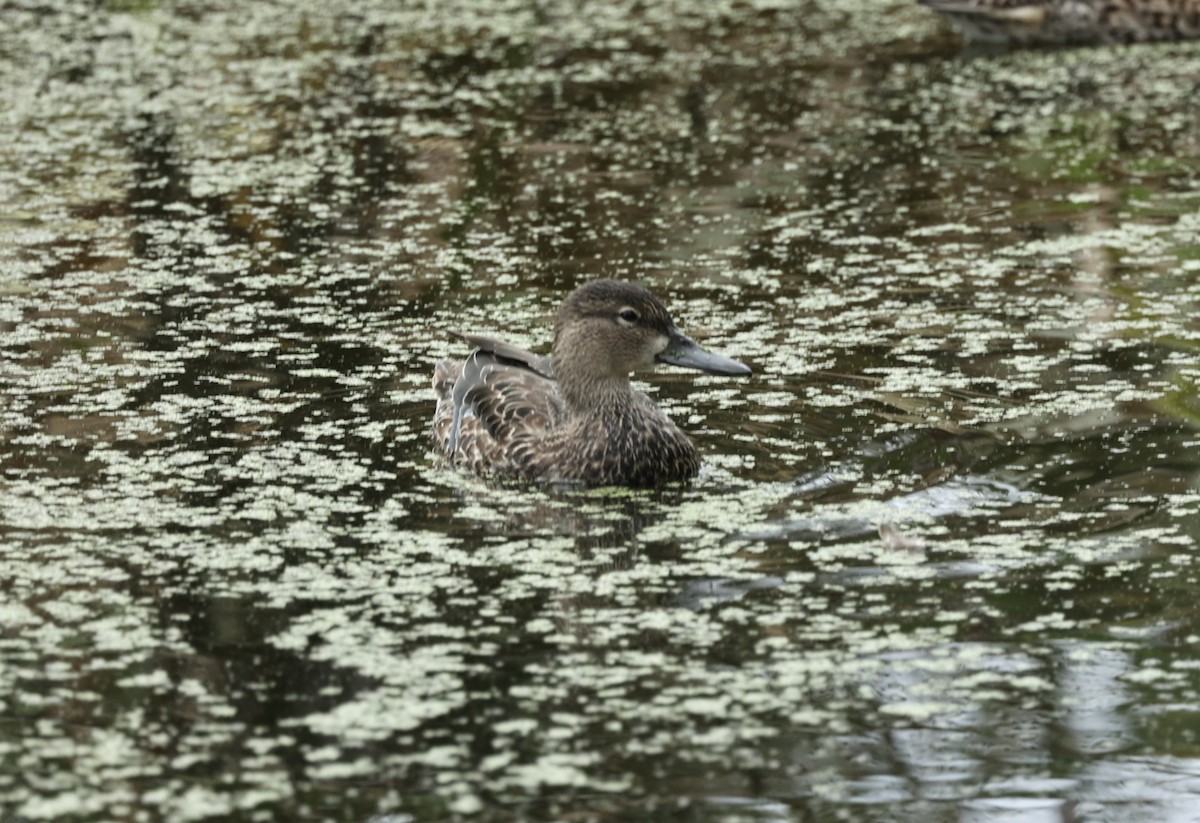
(499,395)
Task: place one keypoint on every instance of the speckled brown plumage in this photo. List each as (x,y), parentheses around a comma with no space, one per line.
(576,418)
(1023,22)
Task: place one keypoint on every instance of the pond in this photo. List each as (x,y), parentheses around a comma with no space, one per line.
(939,564)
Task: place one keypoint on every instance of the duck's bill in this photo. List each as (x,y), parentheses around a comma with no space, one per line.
(683,351)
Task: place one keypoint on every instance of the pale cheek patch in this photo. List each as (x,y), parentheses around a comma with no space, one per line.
(658,346)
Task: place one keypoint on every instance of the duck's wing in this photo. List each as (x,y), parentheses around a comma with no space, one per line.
(507,351)
(500,394)
(1025,11)
(995,21)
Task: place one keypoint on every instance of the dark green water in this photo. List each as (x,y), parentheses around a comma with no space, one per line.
(940,564)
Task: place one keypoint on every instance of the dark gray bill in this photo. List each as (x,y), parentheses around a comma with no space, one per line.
(683,351)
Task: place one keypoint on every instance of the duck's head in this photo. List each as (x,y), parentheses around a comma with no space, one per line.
(607,329)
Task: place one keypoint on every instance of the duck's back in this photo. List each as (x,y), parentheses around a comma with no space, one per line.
(491,410)
(1073,21)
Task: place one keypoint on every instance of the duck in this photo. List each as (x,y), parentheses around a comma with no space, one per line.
(573,418)
(1071,22)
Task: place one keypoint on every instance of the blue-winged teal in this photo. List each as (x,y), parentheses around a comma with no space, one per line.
(573,418)
(1028,22)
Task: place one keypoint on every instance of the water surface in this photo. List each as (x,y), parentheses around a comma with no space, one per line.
(939,564)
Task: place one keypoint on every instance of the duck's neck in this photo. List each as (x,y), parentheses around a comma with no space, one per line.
(588,394)
(584,368)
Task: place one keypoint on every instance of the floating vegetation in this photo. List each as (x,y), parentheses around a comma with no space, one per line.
(940,558)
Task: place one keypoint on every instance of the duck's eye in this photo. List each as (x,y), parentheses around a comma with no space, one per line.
(628,315)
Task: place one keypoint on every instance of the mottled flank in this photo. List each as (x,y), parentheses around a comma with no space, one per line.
(508,412)
(1053,22)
